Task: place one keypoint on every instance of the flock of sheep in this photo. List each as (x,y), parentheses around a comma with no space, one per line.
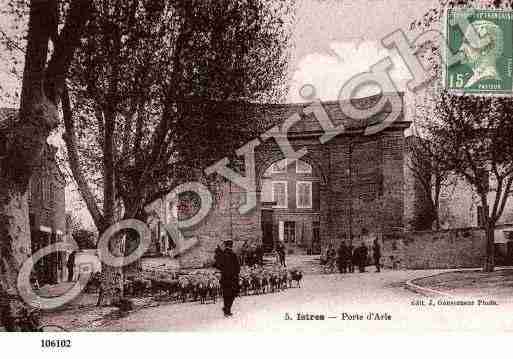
(204,285)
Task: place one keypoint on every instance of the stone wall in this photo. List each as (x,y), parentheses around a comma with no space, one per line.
(201,255)
(457,248)
(223,222)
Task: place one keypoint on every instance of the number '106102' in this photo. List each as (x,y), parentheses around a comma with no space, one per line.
(55,343)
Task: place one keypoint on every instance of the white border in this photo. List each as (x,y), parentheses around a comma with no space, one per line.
(307,345)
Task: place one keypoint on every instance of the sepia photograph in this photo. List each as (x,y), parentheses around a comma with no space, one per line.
(275,167)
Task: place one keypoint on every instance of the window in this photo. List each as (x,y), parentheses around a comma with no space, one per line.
(279,167)
(280,194)
(303,167)
(267,191)
(304,194)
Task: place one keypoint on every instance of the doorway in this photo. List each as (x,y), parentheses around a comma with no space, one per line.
(45,269)
(289,235)
(316,238)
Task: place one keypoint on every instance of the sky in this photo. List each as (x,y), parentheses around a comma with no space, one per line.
(337,39)
(333,40)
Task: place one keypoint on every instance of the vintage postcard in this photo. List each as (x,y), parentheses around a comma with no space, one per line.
(276,167)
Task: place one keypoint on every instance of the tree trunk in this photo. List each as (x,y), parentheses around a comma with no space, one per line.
(132,241)
(111,286)
(489,265)
(111,290)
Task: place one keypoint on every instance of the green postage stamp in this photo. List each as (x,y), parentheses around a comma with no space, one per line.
(479,59)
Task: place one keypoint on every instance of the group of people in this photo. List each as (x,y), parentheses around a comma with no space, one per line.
(251,256)
(347,257)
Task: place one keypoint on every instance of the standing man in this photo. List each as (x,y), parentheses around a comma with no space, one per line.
(330,258)
(351,258)
(361,254)
(230,269)
(260,255)
(342,257)
(281,253)
(71,266)
(244,254)
(376,253)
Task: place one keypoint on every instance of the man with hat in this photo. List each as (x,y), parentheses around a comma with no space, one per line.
(230,269)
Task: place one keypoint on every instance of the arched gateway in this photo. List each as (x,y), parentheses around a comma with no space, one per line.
(338,188)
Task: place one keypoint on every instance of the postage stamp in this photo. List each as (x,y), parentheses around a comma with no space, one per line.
(485,64)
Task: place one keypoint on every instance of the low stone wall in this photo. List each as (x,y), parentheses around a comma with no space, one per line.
(200,255)
(457,248)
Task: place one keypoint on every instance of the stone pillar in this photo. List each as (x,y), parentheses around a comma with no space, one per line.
(393,180)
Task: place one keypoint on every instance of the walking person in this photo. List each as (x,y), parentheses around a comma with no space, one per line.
(376,253)
(230,269)
(71,266)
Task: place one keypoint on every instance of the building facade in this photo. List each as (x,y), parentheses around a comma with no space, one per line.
(291,206)
(47,216)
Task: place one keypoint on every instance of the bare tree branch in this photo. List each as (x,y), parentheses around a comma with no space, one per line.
(65,46)
(71,146)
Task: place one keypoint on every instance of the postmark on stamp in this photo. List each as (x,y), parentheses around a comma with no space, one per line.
(485,65)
